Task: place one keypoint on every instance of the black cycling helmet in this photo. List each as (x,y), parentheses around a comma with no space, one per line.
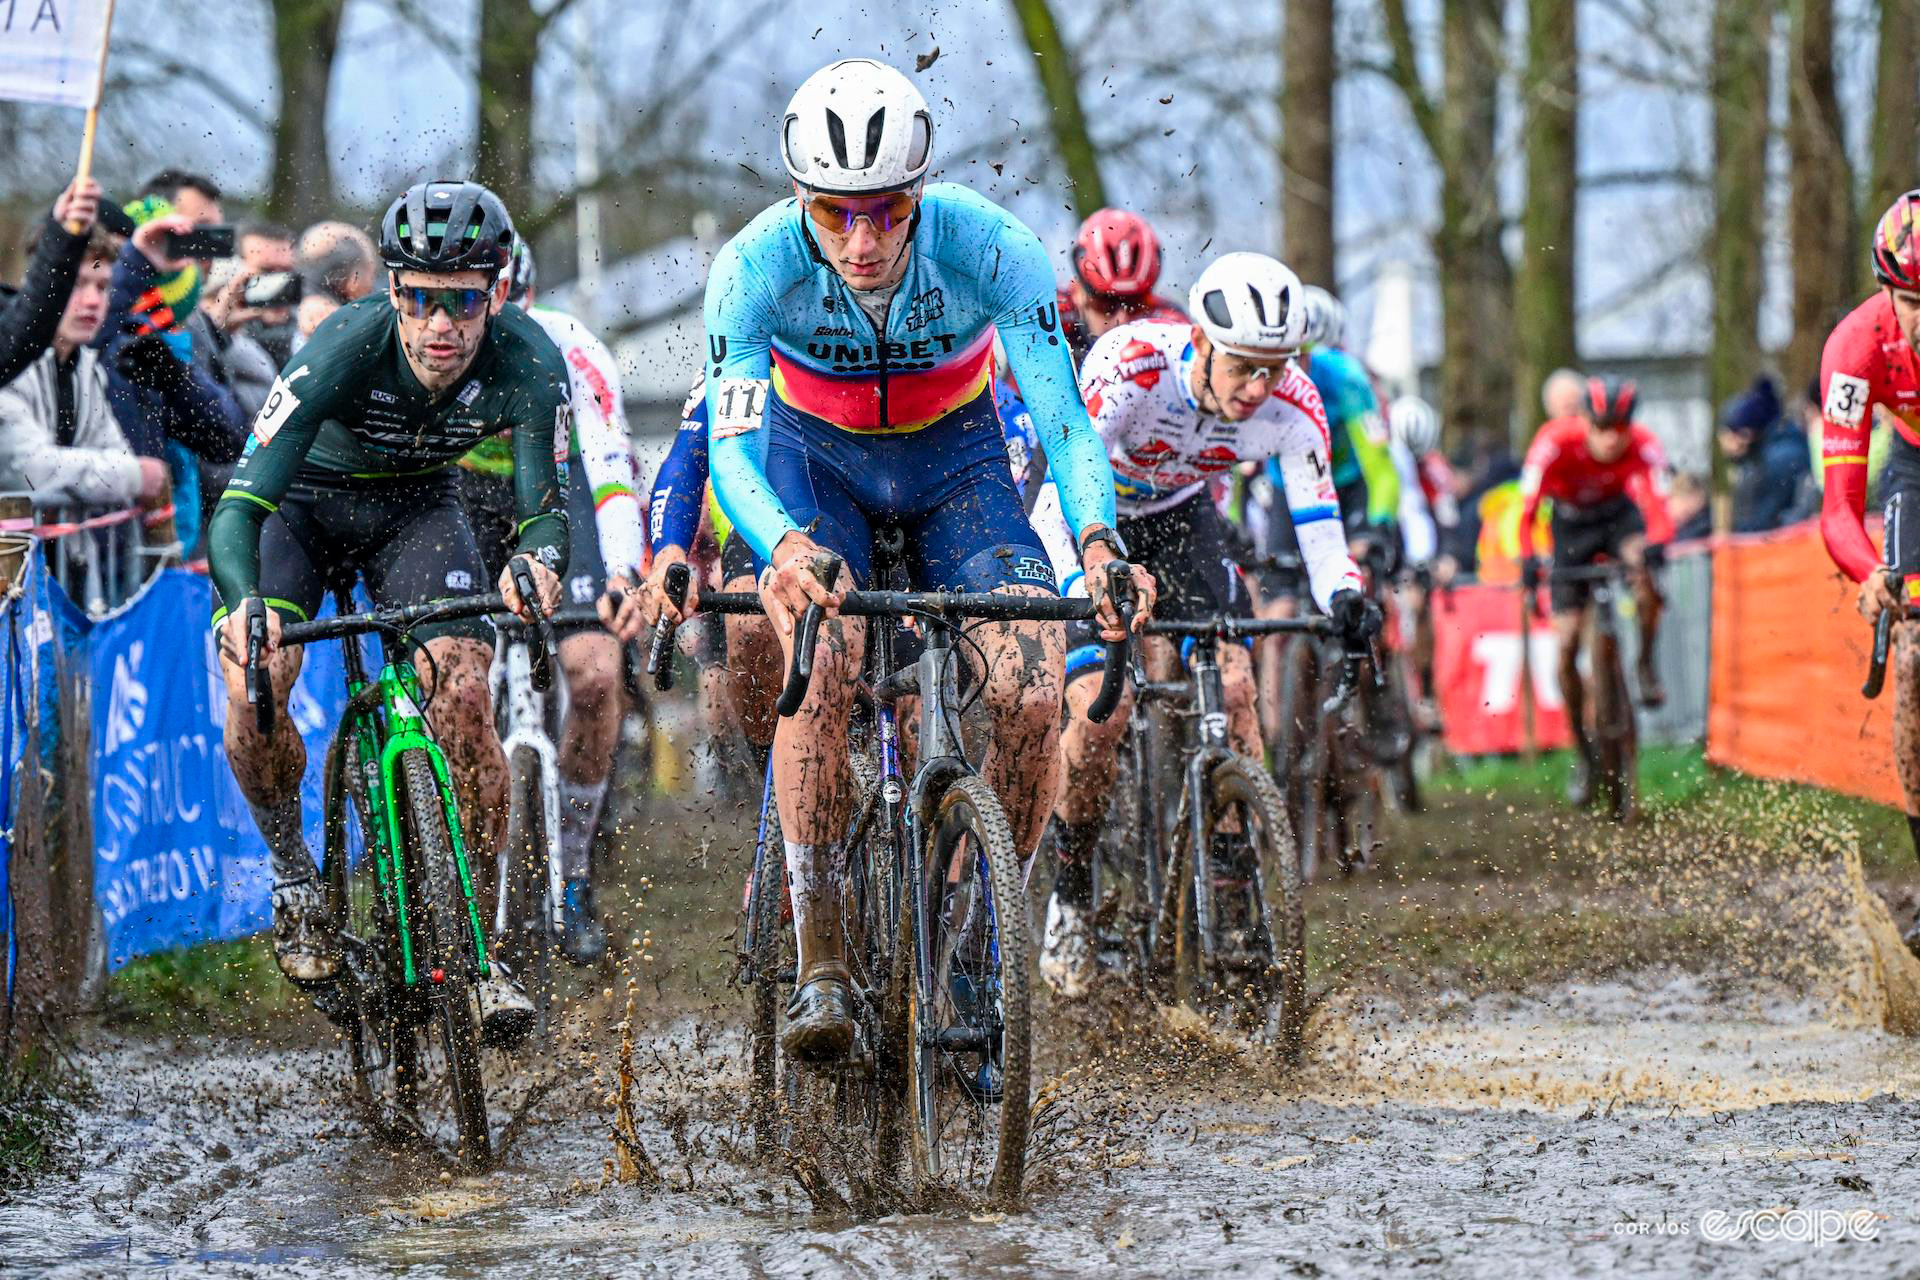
(446,226)
(1610,401)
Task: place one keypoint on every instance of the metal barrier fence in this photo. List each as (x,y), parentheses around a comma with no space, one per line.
(101,557)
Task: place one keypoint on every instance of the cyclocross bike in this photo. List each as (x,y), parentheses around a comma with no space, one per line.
(934,908)
(405,913)
(528,919)
(1231,937)
(1347,736)
(1609,711)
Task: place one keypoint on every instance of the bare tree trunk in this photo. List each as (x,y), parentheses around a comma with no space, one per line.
(1060,85)
(1741,36)
(510,32)
(1896,118)
(1476,289)
(1544,296)
(1306,140)
(306,35)
(1820,220)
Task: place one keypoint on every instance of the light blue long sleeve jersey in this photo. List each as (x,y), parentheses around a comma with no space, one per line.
(778,317)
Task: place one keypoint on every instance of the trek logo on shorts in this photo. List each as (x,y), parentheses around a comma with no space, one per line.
(1028,569)
(459,580)
(581,588)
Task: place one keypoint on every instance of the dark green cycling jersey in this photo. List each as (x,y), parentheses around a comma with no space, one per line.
(348,407)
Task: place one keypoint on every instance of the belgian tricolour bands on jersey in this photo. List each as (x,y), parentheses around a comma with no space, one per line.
(822,416)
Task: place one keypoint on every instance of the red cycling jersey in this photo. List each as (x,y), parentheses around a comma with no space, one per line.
(1559,466)
(1868,363)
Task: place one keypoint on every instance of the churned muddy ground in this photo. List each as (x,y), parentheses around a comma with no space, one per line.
(1545,1049)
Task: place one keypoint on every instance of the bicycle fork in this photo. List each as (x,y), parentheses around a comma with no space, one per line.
(1210,746)
(526,718)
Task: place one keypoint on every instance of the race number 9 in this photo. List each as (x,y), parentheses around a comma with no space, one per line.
(738,406)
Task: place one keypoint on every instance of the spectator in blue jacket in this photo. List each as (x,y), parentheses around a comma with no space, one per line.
(1769,457)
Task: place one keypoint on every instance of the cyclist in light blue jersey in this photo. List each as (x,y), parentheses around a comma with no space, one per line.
(849,386)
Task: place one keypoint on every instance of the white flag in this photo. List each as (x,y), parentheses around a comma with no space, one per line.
(50,51)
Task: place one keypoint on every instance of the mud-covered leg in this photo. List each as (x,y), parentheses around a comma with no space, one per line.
(1567,624)
(1026,666)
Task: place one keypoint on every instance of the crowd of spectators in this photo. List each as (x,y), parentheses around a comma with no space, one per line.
(129,375)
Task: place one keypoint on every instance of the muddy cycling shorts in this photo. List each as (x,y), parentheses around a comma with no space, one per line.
(407,538)
(1189,551)
(1585,535)
(946,487)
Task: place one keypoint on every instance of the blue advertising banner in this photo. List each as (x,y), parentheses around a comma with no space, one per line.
(177,859)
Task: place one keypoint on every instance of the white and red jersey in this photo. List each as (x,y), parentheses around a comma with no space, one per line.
(604,443)
(1867,363)
(1137,383)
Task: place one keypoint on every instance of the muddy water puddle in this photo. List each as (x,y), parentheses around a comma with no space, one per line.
(1582,1132)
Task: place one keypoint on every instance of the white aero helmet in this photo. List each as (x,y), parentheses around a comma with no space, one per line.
(1249,304)
(856,126)
(1326,317)
(1414,424)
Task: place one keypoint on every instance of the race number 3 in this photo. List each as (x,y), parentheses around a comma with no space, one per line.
(1846,399)
(738,405)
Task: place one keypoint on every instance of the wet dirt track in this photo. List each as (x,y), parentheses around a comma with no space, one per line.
(1579,1127)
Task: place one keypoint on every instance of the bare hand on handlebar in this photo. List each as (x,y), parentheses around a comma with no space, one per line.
(546,585)
(790,585)
(623,609)
(1881,591)
(652,600)
(1145,591)
(233,633)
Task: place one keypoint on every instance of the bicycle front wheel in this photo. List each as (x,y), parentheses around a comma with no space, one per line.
(528,888)
(444,940)
(970,1059)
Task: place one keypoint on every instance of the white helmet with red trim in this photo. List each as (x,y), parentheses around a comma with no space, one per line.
(857,126)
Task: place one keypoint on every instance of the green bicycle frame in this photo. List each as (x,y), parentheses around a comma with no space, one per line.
(395,724)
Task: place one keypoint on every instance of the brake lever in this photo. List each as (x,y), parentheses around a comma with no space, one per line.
(541,668)
(659,657)
(1877,667)
(825,569)
(1113,674)
(259,683)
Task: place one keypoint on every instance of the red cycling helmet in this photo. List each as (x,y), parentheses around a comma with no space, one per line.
(1896,258)
(1116,255)
(1610,401)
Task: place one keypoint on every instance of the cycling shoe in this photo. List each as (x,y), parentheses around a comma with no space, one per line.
(303,940)
(1067,962)
(506,1014)
(820,1022)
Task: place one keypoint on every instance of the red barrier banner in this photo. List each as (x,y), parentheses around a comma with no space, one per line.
(1789,653)
(1477,666)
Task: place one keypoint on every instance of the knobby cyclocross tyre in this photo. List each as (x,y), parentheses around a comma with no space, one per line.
(771,957)
(1275,911)
(962,1133)
(444,939)
(529,904)
(1613,728)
